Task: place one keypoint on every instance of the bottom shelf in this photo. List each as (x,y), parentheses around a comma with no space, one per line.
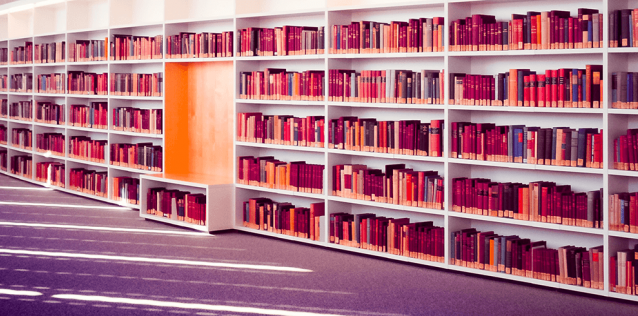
(202,228)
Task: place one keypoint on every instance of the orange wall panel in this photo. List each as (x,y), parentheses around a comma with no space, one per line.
(200,120)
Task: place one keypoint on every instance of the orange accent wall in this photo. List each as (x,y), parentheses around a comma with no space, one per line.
(199,120)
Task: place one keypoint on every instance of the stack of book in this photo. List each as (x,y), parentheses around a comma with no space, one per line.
(284,218)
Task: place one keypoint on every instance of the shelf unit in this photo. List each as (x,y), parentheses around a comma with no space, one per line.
(75,19)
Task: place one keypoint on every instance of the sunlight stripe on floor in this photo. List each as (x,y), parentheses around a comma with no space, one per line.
(119,208)
(116,229)
(19,293)
(220,308)
(154,260)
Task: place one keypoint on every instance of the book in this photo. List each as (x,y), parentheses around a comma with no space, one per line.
(21,110)
(88,83)
(22,138)
(50,143)
(199,45)
(284,218)
(87,50)
(94,115)
(136,84)
(286,130)
(50,173)
(126,189)
(129,119)
(280,41)
(131,47)
(271,173)
(49,53)
(144,156)
(21,165)
(21,83)
(49,113)
(85,148)
(3,160)
(279,84)
(89,181)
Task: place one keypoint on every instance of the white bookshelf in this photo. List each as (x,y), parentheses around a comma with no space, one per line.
(70,20)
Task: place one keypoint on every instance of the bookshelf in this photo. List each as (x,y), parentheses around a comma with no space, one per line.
(209,89)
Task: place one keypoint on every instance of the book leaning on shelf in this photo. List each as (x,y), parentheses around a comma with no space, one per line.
(539,201)
(386,86)
(408,137)
(49,113)
(93,116)
(22,138)
(49,53)
(281,129)
(535,30)
(22,165)
(128,119)
(85,148)
(134,84)
(87,83)
(623,277)
(532,259)
(284,218)
(397,236)
(268,172)
(51,173)
(144,156)
(50,143)
(623,31)
(89,182)
(623,212)
(397,185)
(177,205)
(4,83)
(280,41)
(21,54)
(562,88)
(557,146)
(88,50)
(129,47)
(21,110)
(367,37)
(279,84)
(21,83)
(3,160)
(202,45)
(3,135)
(126,189)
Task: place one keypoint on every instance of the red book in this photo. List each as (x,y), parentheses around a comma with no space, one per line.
(533,93)
(526,91)
(554,88)
(561,87)
(541,88)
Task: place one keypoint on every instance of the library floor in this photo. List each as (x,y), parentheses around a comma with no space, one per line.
(64,260)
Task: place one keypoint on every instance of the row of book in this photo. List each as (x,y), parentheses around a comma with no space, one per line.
(49,113)
(177,205)
(51,173)
(3,135)
(557,146)
(4,83)
(281,129)
(144,156)
(406,137)
(128,119)
(386,86)
(50,143)
(81,82)
(284,218)
(21,110)
(134,84)
(280,41)
(624,90)
(21,83)
(623,212)
(126,189)
(95,115)
(368,37)
(21,54)
(279,84)
(563,88)
(626,151)
(89,181)
(85,148)
(21,165)
(535,30)
(50,83)
(87,50)
(3,160)
(129,47)
(539,201)
(395,184)
(623,277)
(199,45)
(22,138)
(532,259)
(49,53)
(268,172)
(622,28)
